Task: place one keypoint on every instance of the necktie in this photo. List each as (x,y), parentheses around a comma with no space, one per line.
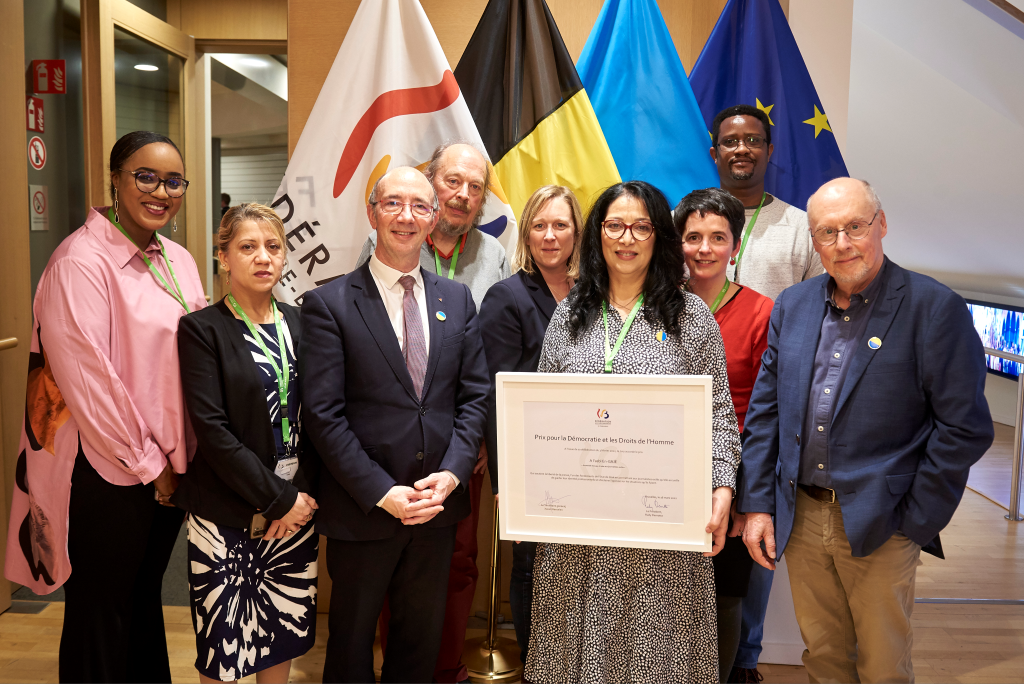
(414,346)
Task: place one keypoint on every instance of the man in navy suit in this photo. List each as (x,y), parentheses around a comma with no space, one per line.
(394,399)
(866,417)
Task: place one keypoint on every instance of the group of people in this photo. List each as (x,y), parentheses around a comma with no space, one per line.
(369,417)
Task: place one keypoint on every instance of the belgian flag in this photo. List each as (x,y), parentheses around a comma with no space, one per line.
(530,107)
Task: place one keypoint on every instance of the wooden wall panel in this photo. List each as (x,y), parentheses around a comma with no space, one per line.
(15,276)
(235,19)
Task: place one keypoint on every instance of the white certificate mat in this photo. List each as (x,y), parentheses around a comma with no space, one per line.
(620,462)
(607,460)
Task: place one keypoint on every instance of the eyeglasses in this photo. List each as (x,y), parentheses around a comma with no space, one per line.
(855,231)
(753,142)
(147,181)
(640,230)
(395,207)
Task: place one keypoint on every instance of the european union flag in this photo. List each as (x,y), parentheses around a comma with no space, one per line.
(642,98)
(752,58)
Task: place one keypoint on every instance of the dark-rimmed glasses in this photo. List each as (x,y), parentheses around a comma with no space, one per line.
(418,209)
(640,230)
(753,142)
(855,231)
(148,182)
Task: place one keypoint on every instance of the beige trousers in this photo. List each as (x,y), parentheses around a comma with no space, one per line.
(854,613)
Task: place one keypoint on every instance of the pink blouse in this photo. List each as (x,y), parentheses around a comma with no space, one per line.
(103,371)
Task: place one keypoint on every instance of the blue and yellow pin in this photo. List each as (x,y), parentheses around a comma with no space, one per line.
(440,315)
(661,336)
(874,343)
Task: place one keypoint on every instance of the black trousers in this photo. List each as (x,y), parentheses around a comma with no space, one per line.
(411,569)
(119,542)
(520,593)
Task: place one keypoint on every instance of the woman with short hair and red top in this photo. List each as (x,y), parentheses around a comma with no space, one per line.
(105,434)
(711,222)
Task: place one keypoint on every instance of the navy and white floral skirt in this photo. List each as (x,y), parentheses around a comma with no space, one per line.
(253,600)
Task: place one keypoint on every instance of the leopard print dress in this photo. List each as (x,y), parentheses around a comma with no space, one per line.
(609,614)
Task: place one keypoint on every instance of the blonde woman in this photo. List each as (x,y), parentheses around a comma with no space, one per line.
(251,548)
(513,318)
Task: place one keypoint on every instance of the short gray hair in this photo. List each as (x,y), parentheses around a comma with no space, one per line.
(373,199)
(434,165)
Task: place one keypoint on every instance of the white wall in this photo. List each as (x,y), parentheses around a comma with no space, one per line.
(253,177)
(936,123)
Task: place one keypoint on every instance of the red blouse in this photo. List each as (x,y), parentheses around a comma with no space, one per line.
(744,324)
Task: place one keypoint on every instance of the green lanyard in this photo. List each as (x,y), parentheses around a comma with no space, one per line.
(455,260)
(177,293)
(718,299)
(282,377)
(746,233)
(609,352)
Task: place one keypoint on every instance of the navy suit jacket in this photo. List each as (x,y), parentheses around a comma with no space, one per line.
(360,410)
(513,319)
(909,422)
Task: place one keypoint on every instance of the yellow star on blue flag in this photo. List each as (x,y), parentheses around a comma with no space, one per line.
(752,58)
(819,121)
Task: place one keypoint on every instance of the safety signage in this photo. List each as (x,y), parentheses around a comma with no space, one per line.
(48,77)
(39,207)
(37,153)
(36,121)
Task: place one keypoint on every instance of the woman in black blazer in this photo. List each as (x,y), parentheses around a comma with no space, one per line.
(513,319)
(251,547)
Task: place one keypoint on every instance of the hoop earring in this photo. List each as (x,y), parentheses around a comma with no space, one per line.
(117,219)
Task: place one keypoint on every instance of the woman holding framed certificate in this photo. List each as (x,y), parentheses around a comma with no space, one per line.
(711,223)
(633,614)
(513,319)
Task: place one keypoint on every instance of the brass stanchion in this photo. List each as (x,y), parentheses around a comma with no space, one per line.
(493,658)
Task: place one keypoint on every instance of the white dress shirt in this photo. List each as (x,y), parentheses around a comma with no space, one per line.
(393,294)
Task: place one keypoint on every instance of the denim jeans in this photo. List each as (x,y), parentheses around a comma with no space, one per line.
(755,606)
(520,592)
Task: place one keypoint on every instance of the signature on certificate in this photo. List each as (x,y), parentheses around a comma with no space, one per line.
(548,499)
(651,502)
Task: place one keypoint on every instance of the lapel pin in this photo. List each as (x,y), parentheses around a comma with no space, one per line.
(440,315)
(661,336)
(874,343)
(438,299)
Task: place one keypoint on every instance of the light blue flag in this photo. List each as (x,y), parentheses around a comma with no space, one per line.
(653,125)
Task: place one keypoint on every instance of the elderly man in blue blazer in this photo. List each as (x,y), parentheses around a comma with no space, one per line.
(394,396)
(866,417)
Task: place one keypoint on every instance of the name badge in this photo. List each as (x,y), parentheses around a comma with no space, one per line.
(286,468)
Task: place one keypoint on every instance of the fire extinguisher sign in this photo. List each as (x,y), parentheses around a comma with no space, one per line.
(34,110)
(49,77)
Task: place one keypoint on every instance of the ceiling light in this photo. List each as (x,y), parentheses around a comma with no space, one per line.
(146,67)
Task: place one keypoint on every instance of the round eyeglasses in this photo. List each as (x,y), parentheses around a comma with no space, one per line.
(148,182)
(640,230)
(855,231)
(418,209)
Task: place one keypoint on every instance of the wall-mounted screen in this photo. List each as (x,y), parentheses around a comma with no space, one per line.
(1000,327)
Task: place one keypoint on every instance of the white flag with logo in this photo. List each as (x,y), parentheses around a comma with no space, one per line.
(389,100)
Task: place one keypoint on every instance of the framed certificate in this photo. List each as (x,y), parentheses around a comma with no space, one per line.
(605,460)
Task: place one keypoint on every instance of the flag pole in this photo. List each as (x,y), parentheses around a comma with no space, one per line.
(493,658)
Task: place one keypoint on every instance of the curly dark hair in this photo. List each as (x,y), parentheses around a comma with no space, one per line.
(664,300)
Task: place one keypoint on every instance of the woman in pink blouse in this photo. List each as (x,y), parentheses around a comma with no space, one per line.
(105,435)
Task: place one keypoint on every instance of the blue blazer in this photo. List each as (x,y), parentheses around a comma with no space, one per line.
(360,411)
(909,422)
(513,319)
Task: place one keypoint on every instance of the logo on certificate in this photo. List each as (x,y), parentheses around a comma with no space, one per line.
(603,418)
